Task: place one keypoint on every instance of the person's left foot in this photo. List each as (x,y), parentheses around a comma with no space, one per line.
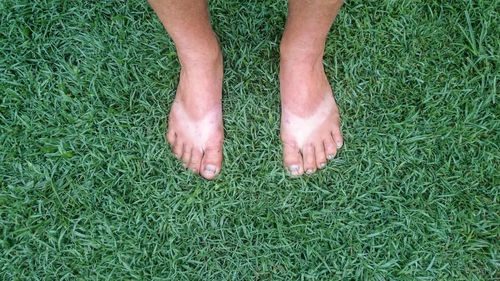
(310,120)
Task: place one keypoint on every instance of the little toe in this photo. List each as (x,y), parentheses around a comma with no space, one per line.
(292,160)
(337,137)
(195,162)
(211,162)
(330,148)
(171,137)
(178,147)
(309,159)
(320,155)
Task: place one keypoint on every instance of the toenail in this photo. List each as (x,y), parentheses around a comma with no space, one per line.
(210,169)
(194,171)
(184,164)
(330,156)
(322,165)
(340,144)
(294,169)
(309,171)
(176,156)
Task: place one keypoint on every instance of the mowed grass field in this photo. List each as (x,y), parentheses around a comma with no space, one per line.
(90,191)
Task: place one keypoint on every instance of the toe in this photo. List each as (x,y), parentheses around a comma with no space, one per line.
(292,160)
(309,159)
(186,155)
(171,137)
(337,137)
(211,162)
(330,148)
(320,155)
(178,146)
(195,162)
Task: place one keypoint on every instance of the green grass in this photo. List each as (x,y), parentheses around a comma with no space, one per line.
(89,189)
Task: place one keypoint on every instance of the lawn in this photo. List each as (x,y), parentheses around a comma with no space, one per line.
(90,191)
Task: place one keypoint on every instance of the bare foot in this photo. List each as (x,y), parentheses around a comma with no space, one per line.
(195,122)
(310,120)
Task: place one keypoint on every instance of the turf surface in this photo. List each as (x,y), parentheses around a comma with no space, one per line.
(89,190)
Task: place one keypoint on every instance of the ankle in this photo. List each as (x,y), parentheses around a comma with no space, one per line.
(296,52)
(301,60)
(301,63)
(200,55)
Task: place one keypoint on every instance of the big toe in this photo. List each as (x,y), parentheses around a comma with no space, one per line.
(211,162)
(292,160)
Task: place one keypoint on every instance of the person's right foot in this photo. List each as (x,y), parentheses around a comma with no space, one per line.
(195,122)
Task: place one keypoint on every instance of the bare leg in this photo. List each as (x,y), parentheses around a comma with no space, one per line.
(310,122)
(195,122)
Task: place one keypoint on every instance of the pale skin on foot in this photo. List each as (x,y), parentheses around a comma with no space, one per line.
(310,121)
